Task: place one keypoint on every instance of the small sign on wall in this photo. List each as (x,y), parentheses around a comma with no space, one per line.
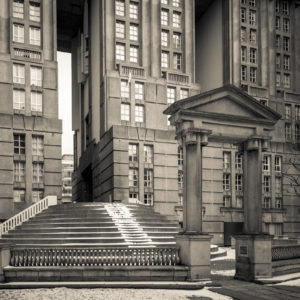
(243,251)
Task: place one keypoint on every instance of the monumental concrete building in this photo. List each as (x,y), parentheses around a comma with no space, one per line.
(30,131)
(67,164)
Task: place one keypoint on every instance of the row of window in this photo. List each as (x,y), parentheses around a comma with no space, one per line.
(165,60)
(250,17)
(19,195)
(288,131)
(282,24)
(282,7)
(121,31)
(282,41)
(134,177)
(252,74)
(227,160)
(138,90)
(19,100)
(139,113)
(175,3)
(176,39)
(37,172)
(148,198)
(165,18)
(37,146)
(284,63)
(283,80)
(18,10)
(252,54)
(249,2)
(133,9)
(288,112)
(133,153)
(19,74)
(133,52)
(34,34)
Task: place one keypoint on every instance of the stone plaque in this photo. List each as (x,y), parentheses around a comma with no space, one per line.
(243,251)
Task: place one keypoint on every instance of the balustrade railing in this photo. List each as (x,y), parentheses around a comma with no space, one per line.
(65,256)
(26,214)
(285,252)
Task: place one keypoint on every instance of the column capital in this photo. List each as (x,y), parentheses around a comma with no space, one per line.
(190,136)
(255,142)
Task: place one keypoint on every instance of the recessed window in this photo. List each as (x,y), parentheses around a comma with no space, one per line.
(286,62)
(288,110)
(243,34)
(226,201)
(244,54)
(139,113)
(297,112)
(19,171)
(243,15)
(165,2)
(180,156)
(278,160)
(120,29)
(180,179)
(18,33)
(253,36)
(267,184)
(267,203)
(277,6)
(120,51)
(133,152)
(37,196)
(288,131)
(18,73)
(297,132)
(176,3)
(252,17)
(252,3)
(287,81)
(139,90)
(133,177)
(278,185)
(34,11)
(165,38)
(18,9)
(278,61)
(35,36)
(164,17)
(18,99)
(36,101)
(134,32)
(253,74)
(133,10)
(277,41)
(226,182)
(148,154)
(253,55)
(37,172)
(19,144)
(148,198)
(177,40)
(37,145)
(226,160)
(148,178)
(133,197)
(171,95)
(238,182)
(165,59)
(243,73)
(286,25)
(19,195)
(134,54)
(239,202)
(125,112)
(184,93)
(278,203)
(286,43)
(278,79)
(36,76)
(125,89)
(176,19)
(239,161)
(285,8)
(177,61)
(277,23)
(120,8)
(267,163)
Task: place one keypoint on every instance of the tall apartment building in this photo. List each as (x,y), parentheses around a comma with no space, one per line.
(30,131)
(131,59)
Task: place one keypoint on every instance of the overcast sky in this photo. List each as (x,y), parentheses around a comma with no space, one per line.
(64,98)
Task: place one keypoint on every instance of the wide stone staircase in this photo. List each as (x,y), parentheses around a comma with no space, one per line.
(95,242)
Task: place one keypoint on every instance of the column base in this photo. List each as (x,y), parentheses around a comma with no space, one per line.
(253,256)
(195,253)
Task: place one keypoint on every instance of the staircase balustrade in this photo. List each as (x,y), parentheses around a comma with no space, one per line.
(26,214)
(48,257)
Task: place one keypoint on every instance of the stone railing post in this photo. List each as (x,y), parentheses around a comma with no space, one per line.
(4,259)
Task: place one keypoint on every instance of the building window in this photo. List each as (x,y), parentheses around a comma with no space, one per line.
(133,177)
(239,202)
(297,112)
(278,61)
(180,156)
(226,201)
(176,40)
(278,79)
(18,33)
(19,171)
(286,62)
(252,17)
(287,80)
(134,32)
(253,55)
(267,163)
(226,160)
(243,1)
(38,172)
(252,3)
(244,54)
(125,112)
(165,38)
(171,95)
(132,152)
(36,76)
(285,8)
(278,203)
(34,12)
(120,8)
(177,61)
(277,6)
(176,19)
(226,182)
(297,132)
(18,9)
(286,25)
(184,93)
(36,101)
(278,185)
(37,145)
(120,29)
(18,73)
(148,178)
(253,36)
(164,17)
(125,89)
(176,3)
(243,15)
(277,41)
(277,23)
(139,90)
(180,179)
(267,184)
(37,196)
(286,43)
(120,51)
(243,34)
(278,160)
(148,154)
(19,144)
(267,203)
(19,99)
(35,36)
(139,113)
(288,131)
(238,182)
(165,59)
(238,161)
(133,10)
(134,54)
(19,195)
(243,73)
(133,198)
(253,74)
(148,198)
(180,197)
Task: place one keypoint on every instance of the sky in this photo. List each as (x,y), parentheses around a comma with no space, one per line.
(64,99)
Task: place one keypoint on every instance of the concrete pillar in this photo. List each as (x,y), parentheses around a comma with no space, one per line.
(48,37)
(4,26)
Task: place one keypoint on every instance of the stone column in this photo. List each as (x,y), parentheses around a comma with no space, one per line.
(194,245)
(4,26)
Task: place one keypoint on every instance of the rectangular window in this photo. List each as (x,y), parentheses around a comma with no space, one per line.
(252,3)
(148,154)
(278,79)
(267,203)
(226,182)
(278,61)
(286,62)
(180,156)
(278,160)
(177,61)
(277,23)
(120,8)
(286,25)
(139,90)
(286,43)
(148,199)
(133,198)
(267,163)
(165,2)
(148,178)
(177,40)
(297,112)
(180,179)
(176,19)
(165,59)
(278,203)
(239,202)
(278,185)
(288,110)
(133,10)
(19,144)
(244,54)
(252,17)
(238,182)
(120,30)
(165,38)
(277,6)
(19,171)
(288,131)
(253,36)
(132,152)
(19,73)
(243,15)
(18,9)
(164,17)
(35,36)
(267,184)
(171,95)
(19,99)
(134,32)
(287,80)
(120,51)
(243,34)
(253,55)
(37,196)
(243,73)
(125,112)
(226,160)
(133,177)
(253,74)
(277,41)
(176,3)
(134,54)
(285,8)
(37,172)
(18,33)
(34,12)
(297,132)
(184,93)
(139,113)
(19,195)
(36,76)
(226,201)
(36,101)
(239,161)
(125,89)
(37,145)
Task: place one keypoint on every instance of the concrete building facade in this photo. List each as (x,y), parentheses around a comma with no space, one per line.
(30,131)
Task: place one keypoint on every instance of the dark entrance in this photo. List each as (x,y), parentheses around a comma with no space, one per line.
(87,186)
(230,229)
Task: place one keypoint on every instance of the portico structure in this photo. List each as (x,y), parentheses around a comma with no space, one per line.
(229,115)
